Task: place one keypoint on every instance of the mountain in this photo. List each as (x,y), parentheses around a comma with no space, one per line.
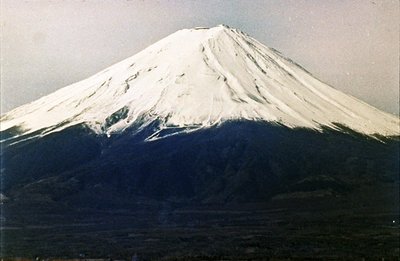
(197,78)
(204,134)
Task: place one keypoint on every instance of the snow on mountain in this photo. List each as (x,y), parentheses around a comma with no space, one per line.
(198,78)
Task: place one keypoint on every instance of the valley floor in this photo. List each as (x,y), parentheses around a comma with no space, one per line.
(361,224)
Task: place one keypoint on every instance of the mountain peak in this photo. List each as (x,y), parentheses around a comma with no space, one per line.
(198,78)
(193,36)
(220,26)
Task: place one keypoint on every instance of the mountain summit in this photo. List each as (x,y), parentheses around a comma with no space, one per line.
(197,78)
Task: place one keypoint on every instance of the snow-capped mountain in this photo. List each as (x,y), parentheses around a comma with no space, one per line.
(195,135)
(197,78)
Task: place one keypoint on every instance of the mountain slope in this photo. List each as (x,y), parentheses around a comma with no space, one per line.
(197,78)
(284,191)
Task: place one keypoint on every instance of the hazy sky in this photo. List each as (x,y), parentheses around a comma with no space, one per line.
(48,44)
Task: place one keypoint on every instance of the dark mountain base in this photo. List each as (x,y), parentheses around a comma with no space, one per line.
(242,190)
(319,227)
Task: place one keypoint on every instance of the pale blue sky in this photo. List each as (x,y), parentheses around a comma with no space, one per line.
(48,44)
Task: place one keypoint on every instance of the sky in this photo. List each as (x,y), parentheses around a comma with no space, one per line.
(352,45)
